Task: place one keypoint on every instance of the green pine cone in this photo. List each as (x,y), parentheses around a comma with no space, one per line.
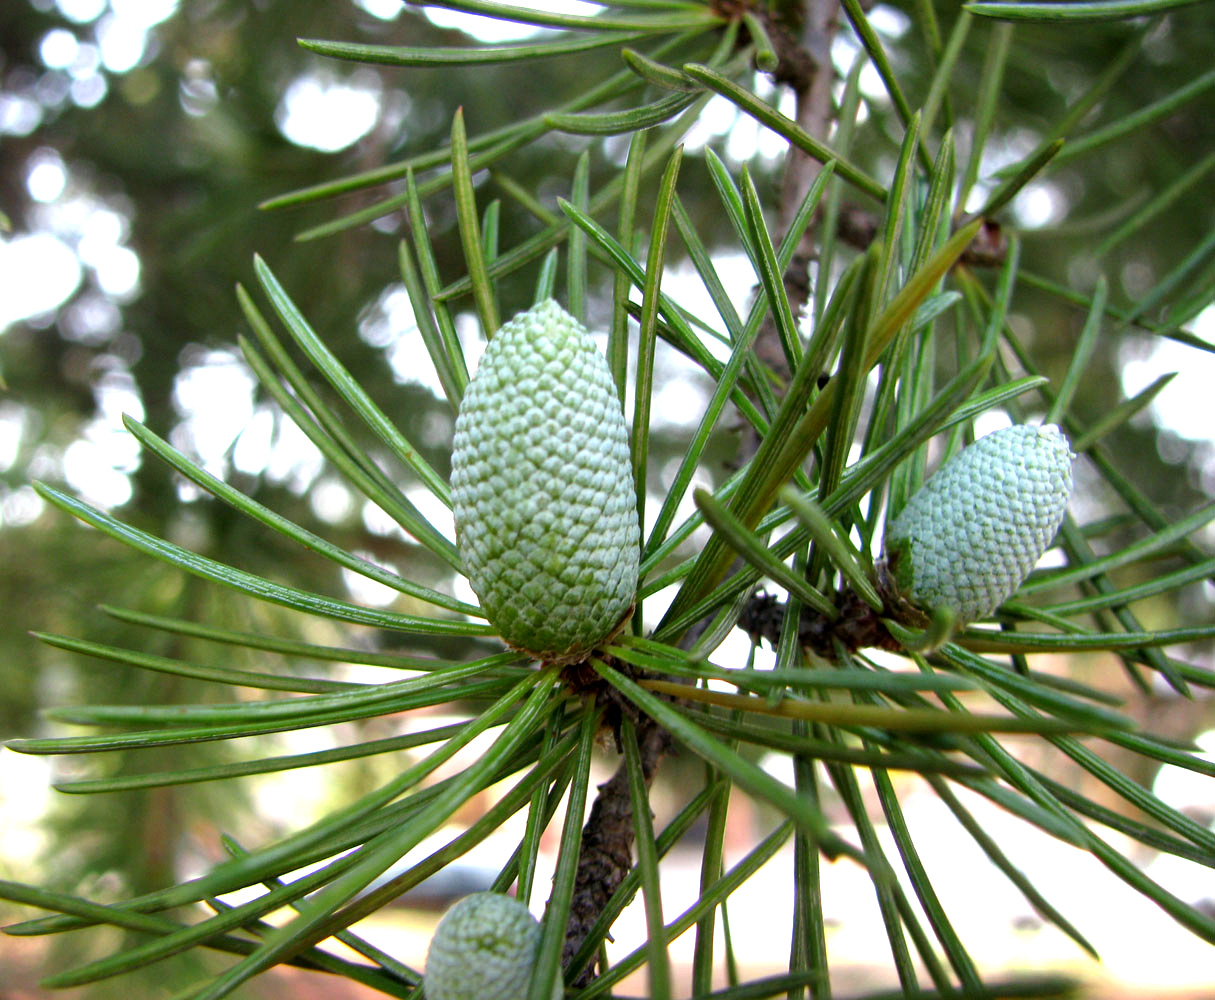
(542,488)
(976,529)
(483,949)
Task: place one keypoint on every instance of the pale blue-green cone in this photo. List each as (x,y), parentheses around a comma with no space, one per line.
(976,529)
(483,949)
(542,488)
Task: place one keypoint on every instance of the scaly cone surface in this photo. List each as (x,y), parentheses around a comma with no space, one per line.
(483,949)
(969,537)
(542,488)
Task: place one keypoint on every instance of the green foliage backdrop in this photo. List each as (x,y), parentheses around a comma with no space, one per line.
(973,210)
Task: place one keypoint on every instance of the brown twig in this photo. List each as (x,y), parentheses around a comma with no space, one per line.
(607,844)
(804,64)
(858,227)
(858,626)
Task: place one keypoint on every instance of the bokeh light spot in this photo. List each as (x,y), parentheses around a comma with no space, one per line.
(322,111)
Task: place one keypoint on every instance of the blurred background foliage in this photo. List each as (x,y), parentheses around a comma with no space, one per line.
(137,139)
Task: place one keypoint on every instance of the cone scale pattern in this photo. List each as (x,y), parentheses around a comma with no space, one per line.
(976,529)
(483,949)
(542,488)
